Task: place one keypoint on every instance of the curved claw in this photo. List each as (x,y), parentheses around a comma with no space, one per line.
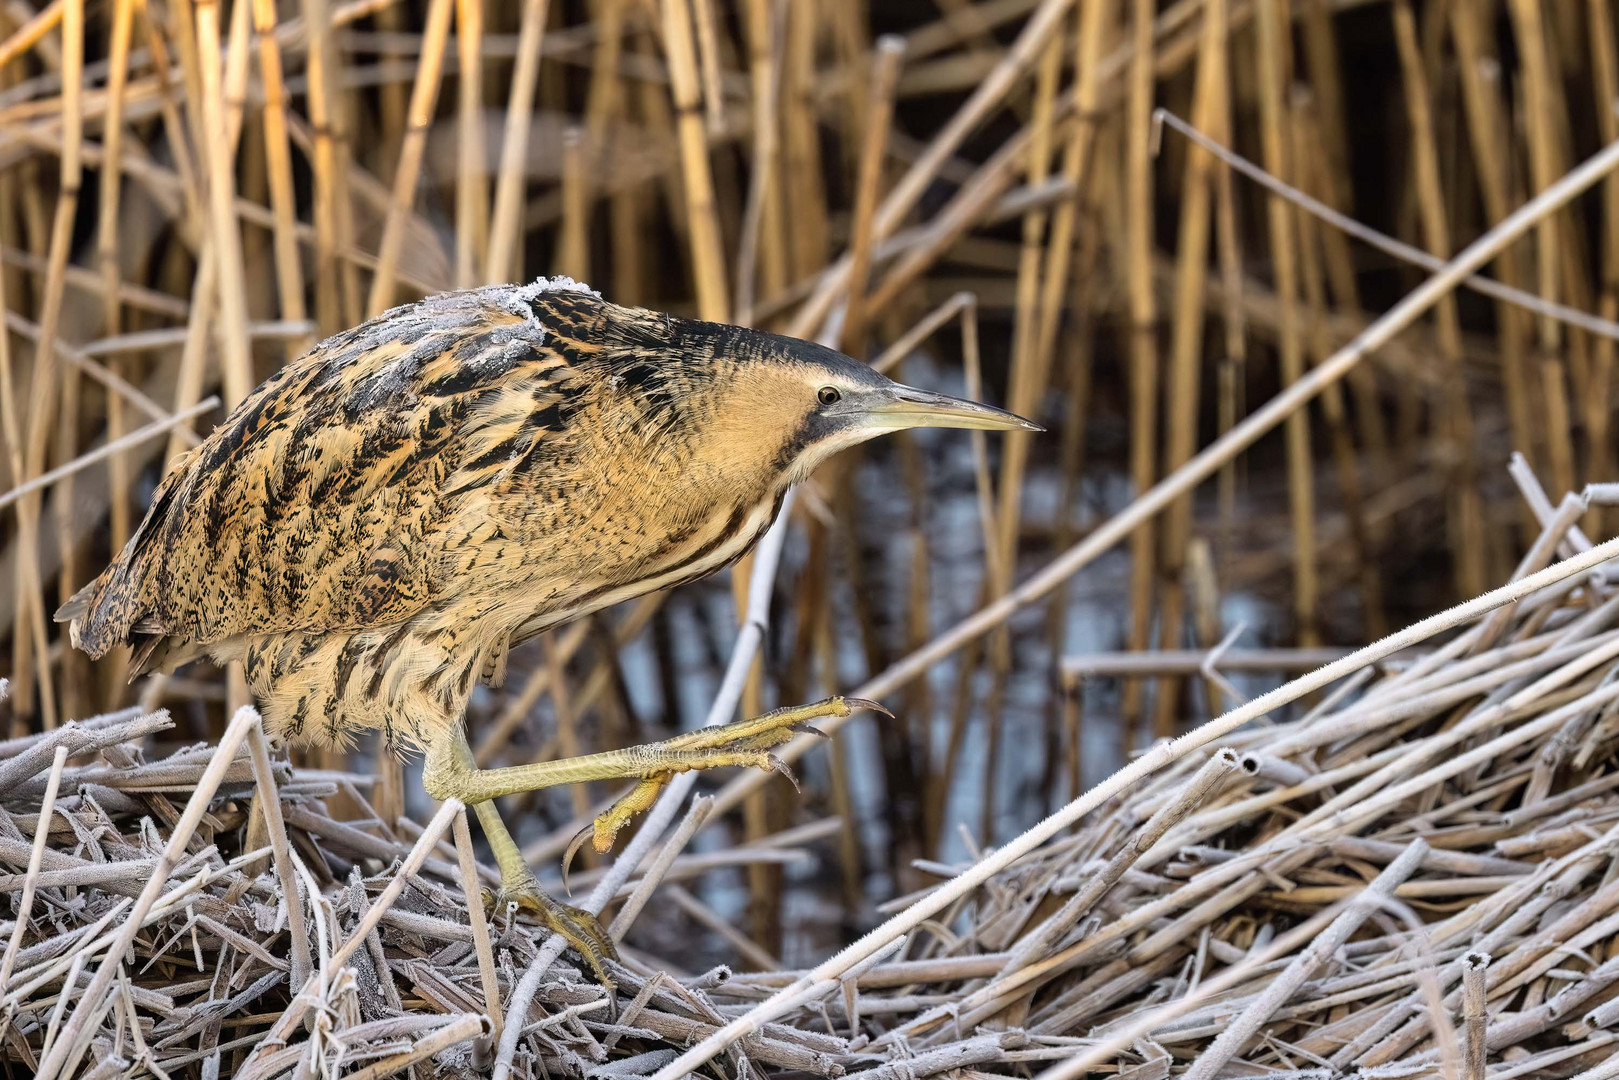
(574,845)
(866,703)
(780,766)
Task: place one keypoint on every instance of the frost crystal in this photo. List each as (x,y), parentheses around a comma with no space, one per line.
(519,299)
(560,283)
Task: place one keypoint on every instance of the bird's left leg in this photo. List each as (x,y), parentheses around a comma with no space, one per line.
(518,886)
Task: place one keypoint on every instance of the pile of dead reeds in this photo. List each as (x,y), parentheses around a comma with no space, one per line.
(1417,876)
(191,191)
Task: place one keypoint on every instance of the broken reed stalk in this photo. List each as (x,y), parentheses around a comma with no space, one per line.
(1474,966)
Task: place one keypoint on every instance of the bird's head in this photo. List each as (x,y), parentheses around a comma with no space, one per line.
(820,402)
(784,403)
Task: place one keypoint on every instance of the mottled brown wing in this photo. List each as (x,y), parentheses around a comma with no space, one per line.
(316,504)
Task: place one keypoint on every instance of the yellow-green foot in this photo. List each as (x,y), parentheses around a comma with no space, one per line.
(743,742)
(577,926)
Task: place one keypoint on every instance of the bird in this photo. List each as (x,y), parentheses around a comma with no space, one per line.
(374,527)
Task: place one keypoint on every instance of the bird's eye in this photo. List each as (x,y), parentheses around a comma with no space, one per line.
(829,395)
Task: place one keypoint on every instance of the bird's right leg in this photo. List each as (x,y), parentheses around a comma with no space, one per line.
(449,774)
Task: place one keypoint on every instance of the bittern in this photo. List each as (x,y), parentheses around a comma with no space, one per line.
(375,526)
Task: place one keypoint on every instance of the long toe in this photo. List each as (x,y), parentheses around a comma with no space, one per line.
(768,729)
(584,932)
(588,926)
(578,927)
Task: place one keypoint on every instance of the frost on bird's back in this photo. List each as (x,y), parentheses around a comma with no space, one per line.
(423,326)
(519,297)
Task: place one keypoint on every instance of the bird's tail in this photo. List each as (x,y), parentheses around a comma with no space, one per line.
(77,614)
(114,608)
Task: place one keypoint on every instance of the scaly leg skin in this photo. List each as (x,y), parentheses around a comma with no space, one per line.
(449,772)
(520,889)
(753,736)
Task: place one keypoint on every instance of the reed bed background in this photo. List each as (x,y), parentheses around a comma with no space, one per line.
(1247,472)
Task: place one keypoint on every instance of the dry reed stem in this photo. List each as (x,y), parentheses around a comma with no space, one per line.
(707,250)
(667,854)
(1181,391)
(471,190)
(32,32)
(470,890)
(761,263)
(269,799)
(573,241)
(1078,155)
(423,99)
(107,450)
(1027,379)
(1273,64)
(278,156)
(1466,514)
(459,1030)
(923,329)
(107,244)
(25,906)
(236,364)
(501,264)
(995,555)
(46,383)
(1144,373)
(890,54)
(568,742)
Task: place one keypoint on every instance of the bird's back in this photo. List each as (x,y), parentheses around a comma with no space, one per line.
(321,503)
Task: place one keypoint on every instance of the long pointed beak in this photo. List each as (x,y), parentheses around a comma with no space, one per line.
(907,407)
